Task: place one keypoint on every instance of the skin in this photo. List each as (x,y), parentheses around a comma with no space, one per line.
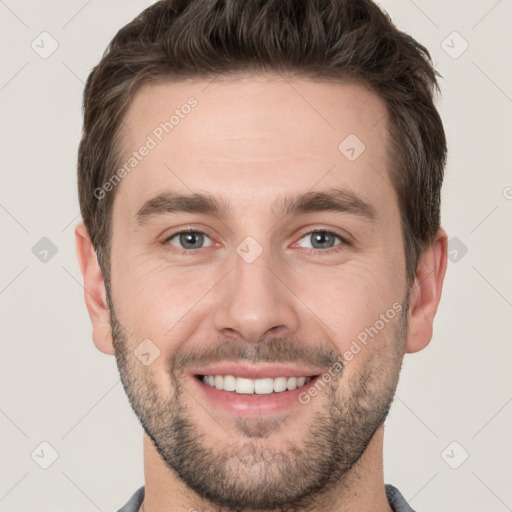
(252,139)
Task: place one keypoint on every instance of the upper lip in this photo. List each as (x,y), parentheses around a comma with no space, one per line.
(256,371)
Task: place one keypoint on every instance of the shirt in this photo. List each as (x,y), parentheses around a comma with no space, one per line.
(396,500)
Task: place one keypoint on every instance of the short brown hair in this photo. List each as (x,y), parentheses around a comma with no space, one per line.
(324,39)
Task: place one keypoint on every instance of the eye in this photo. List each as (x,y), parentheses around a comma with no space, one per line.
(189,240)
(320,239)
(324,239)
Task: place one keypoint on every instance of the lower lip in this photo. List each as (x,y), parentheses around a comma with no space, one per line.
(239,404)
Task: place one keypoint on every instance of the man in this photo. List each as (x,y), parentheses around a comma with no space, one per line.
(224,144)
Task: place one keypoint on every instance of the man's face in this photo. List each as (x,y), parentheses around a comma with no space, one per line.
(256,292)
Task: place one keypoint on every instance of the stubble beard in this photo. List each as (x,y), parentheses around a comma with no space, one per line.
(248,471)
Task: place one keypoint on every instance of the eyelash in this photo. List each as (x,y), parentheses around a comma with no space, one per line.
(337,248)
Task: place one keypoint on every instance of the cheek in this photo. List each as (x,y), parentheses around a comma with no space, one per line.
(351,300)
(157,308)
(163,304)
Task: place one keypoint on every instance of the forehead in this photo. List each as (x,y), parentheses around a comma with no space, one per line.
(253,137)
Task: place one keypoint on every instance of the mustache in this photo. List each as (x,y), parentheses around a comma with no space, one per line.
(273,350)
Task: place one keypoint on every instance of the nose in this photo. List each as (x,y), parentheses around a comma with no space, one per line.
(256,300)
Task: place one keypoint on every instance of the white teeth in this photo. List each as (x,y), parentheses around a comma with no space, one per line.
(244,385)
(280,384)
(263,386)
(292,383)
(229,383)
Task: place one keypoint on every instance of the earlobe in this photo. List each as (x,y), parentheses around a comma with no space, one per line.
(426,293)
(94,291)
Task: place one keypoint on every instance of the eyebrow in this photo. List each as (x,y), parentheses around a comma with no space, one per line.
(334,200)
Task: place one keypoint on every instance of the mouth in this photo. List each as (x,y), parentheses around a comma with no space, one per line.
(253,391)
(262,386)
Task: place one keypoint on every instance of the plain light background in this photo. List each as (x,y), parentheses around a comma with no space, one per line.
(454,398)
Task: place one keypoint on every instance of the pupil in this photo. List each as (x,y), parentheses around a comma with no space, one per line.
(322,237)
(189,238)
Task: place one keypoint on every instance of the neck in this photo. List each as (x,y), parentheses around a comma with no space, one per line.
(362,489)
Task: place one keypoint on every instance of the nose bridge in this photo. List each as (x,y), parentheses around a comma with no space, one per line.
(254,299)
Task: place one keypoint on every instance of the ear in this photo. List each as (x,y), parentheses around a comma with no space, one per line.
(94,291)
(426,293)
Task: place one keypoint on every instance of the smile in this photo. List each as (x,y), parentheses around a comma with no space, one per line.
(264,386)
